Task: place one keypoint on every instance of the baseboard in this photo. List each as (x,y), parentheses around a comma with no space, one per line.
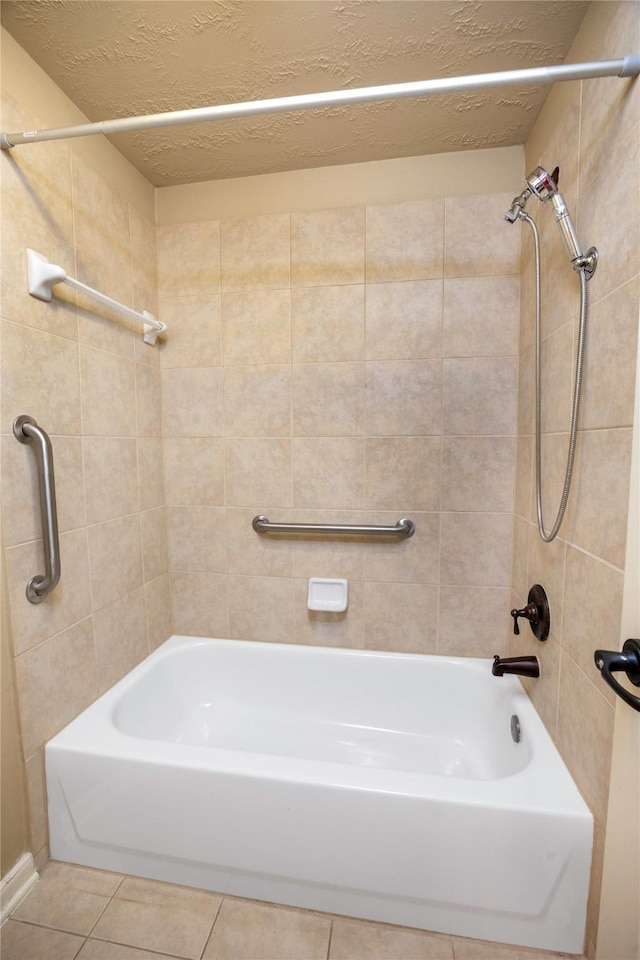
(16,885)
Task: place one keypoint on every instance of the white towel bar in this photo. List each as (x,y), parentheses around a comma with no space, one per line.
(43,277)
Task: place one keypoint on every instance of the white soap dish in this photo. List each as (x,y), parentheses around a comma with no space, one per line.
(327,594)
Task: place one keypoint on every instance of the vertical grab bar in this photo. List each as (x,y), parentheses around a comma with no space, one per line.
(26,430)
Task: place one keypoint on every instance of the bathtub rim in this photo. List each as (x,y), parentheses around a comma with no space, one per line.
(94,732)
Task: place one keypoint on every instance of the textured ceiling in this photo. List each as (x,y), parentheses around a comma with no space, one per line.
(118,59)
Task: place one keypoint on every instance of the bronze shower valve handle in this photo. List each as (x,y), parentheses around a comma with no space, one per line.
(530,612)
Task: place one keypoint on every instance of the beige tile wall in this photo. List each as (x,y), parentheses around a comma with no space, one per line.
(591,131)
(95,388)
(354,365)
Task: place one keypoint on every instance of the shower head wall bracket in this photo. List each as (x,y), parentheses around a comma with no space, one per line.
(587,262)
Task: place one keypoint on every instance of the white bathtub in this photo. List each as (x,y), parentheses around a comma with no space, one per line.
(384,786)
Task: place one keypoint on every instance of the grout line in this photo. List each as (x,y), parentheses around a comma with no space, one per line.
(329,940)
(53,636)
(81,947)
(213,923)
(443,436)
(45,926)
(592,556)
(42,926)
(146,948)
(102,912)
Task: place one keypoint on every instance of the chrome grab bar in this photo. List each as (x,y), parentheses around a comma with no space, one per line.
(403,528)
(26,430)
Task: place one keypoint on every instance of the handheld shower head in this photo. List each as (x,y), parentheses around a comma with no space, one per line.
(544,186)
(540,184)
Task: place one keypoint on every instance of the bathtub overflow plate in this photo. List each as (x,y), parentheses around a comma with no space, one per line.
(516,732)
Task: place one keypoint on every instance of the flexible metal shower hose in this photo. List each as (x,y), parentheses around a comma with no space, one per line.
(577,390)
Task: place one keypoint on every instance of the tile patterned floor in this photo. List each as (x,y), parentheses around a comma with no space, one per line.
(75,913)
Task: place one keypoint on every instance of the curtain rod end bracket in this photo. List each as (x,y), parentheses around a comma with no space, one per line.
(5,143)
(630,66)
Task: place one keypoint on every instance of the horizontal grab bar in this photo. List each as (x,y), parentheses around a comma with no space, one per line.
(403,528)
(26,430)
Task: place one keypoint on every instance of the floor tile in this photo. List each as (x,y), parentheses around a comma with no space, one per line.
(22,941)
(484,950)
(101,882)
(159,916)
(169,894)
(68,898)
(135,919)
(258,931)
(360,940)
(102,950)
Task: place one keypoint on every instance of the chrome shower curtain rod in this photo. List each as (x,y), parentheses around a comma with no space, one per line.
(626,67)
